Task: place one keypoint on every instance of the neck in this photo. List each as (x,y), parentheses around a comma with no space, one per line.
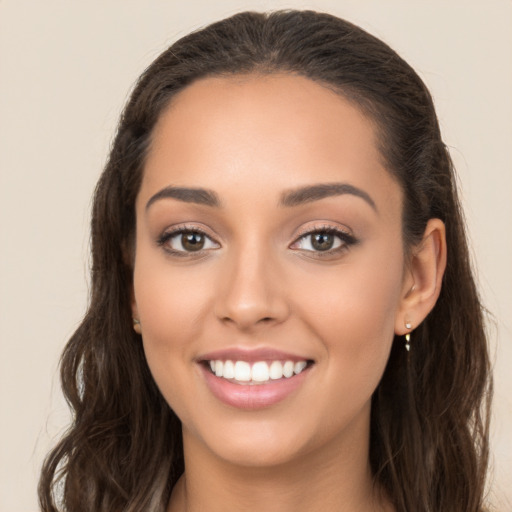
(336,477)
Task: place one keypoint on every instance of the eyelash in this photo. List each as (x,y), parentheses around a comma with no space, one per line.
(346,239)
(168,235)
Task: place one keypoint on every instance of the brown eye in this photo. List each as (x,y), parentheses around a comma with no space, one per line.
(322,241)
(185,241)
(192,241)
(330,241)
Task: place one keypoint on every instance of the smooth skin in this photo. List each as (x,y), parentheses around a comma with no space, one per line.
(259,280)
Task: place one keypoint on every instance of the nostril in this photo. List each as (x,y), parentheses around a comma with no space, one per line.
(254,310)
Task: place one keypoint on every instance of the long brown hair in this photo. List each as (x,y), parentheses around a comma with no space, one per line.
(429,420)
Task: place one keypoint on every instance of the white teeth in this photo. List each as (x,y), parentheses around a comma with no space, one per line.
(242,371)
(299,366)
(229,370)
(258,372)
(288,369)
(276,370)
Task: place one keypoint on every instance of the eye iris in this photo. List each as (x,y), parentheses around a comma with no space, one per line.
(322,241)
(192,241)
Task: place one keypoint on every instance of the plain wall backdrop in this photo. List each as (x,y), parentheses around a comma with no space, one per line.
(66,68)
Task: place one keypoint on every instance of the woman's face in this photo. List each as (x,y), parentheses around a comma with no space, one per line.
(269,251)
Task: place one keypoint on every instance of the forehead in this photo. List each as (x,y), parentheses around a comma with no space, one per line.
(264,133)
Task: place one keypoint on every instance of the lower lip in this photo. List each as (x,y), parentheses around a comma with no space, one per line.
(252,396)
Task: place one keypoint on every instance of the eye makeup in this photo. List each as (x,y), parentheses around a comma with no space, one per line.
(320,241)
(186,241)
(324,241)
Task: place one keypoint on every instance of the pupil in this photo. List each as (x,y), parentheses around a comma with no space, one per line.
(192,241)
(322,241)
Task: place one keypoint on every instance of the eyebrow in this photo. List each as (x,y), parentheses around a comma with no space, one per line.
(319,191)
(187,195)
(289,198)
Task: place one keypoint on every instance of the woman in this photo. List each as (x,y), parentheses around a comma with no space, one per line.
(283,314)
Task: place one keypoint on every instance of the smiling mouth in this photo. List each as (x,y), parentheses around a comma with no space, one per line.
(256,373)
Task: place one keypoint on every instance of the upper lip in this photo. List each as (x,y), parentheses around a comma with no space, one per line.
(251,355)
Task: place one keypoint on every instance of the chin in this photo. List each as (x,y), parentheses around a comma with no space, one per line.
(267,443)
(258,453)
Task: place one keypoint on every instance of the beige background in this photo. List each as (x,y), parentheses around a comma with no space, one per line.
(66,68)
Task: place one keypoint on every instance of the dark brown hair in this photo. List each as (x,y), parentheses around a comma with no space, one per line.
(429,420)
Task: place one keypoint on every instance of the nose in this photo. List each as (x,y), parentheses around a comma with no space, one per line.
(251,291)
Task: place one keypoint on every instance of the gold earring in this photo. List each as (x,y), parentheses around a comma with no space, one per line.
(408,337)
(136,325)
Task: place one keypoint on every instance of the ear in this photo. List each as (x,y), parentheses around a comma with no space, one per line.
(422,278)
(135,314)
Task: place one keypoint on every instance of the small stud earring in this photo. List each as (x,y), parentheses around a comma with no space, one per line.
(136,325)
(408,337)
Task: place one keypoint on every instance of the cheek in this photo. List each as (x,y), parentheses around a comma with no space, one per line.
(169,306)
(352,310)
(170,303)
(170,300)
(360,298)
